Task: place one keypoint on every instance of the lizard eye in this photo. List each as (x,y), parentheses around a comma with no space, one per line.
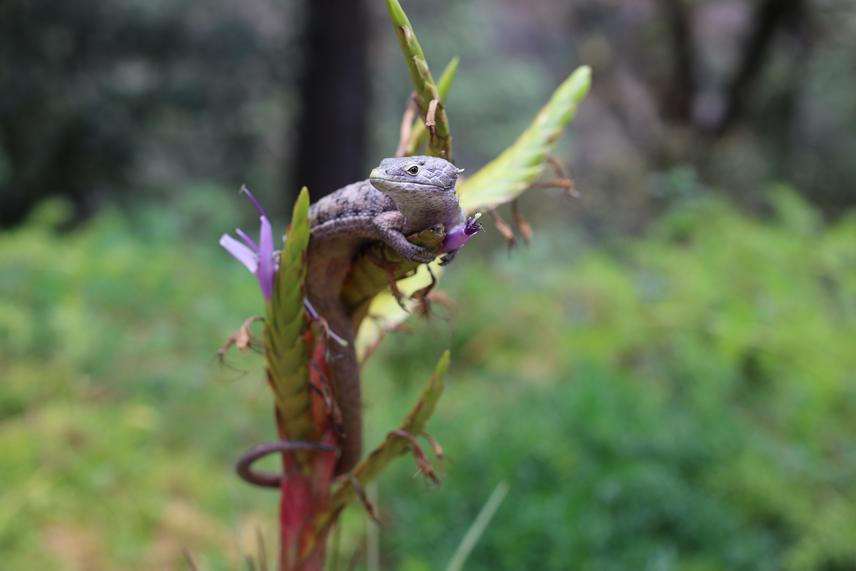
(412,169)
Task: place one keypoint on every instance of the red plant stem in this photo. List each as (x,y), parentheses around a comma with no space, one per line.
(305,486)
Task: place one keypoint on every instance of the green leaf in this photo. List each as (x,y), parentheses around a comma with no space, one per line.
(498,182)
(286,353)
(440,140)
(448,76)
(512,172)
(477,528)
(392,446)
(419,135)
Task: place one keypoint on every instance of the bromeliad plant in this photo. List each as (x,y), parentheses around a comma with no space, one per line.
(382,285)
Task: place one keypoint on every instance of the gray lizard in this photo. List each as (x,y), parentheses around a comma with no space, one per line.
(402,196)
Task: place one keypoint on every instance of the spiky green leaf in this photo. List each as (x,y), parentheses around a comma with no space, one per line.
(478,527)
(512,172)
(440,140)
(419,135)
(286,353)
(392,446)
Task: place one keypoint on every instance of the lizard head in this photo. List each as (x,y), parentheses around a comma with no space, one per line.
(402,176)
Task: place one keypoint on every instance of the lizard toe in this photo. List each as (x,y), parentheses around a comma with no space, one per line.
(423,257)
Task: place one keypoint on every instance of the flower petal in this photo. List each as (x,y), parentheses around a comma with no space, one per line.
(240,252)
(247,239)
(461,234)
(265,271)
(255,202)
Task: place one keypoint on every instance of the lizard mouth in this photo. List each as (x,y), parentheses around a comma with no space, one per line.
(388,184)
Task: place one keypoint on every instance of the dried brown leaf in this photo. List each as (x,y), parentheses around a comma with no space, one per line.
(421,459)
(243,338)
(435,446)
(363,498)
(441,297)
(431,115)
(521,222)
(503,228)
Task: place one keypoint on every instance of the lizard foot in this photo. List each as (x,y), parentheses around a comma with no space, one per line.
(447,259)
(388,227)
(419,255)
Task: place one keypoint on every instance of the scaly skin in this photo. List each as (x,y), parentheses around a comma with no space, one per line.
(402,196)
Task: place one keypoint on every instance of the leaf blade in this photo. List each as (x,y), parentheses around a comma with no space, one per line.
(286,353)
(440,141)
(510,174)
(419,135)
(392,446)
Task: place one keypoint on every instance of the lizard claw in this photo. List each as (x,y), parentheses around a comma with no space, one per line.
(427,258)
(447,259)
(416,254)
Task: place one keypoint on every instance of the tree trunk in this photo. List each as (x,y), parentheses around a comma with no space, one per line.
(334,95)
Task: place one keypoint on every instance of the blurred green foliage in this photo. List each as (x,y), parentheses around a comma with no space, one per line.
(682,400)
(108,101)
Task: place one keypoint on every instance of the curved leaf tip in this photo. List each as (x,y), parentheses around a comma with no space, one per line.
(516,168)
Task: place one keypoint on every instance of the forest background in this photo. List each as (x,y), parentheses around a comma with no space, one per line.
(664,376)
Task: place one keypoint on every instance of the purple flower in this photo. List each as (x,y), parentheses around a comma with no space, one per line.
(258,258)
(461,234)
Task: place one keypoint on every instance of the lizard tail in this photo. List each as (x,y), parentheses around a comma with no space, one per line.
(329,263)
(345,380)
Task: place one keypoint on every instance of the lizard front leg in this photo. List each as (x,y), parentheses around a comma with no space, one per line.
(389,226)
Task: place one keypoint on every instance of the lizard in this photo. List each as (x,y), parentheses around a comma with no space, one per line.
(402,196)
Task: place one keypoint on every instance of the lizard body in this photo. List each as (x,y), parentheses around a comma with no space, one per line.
(402,196)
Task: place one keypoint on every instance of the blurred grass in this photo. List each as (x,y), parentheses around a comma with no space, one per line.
(682,400)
